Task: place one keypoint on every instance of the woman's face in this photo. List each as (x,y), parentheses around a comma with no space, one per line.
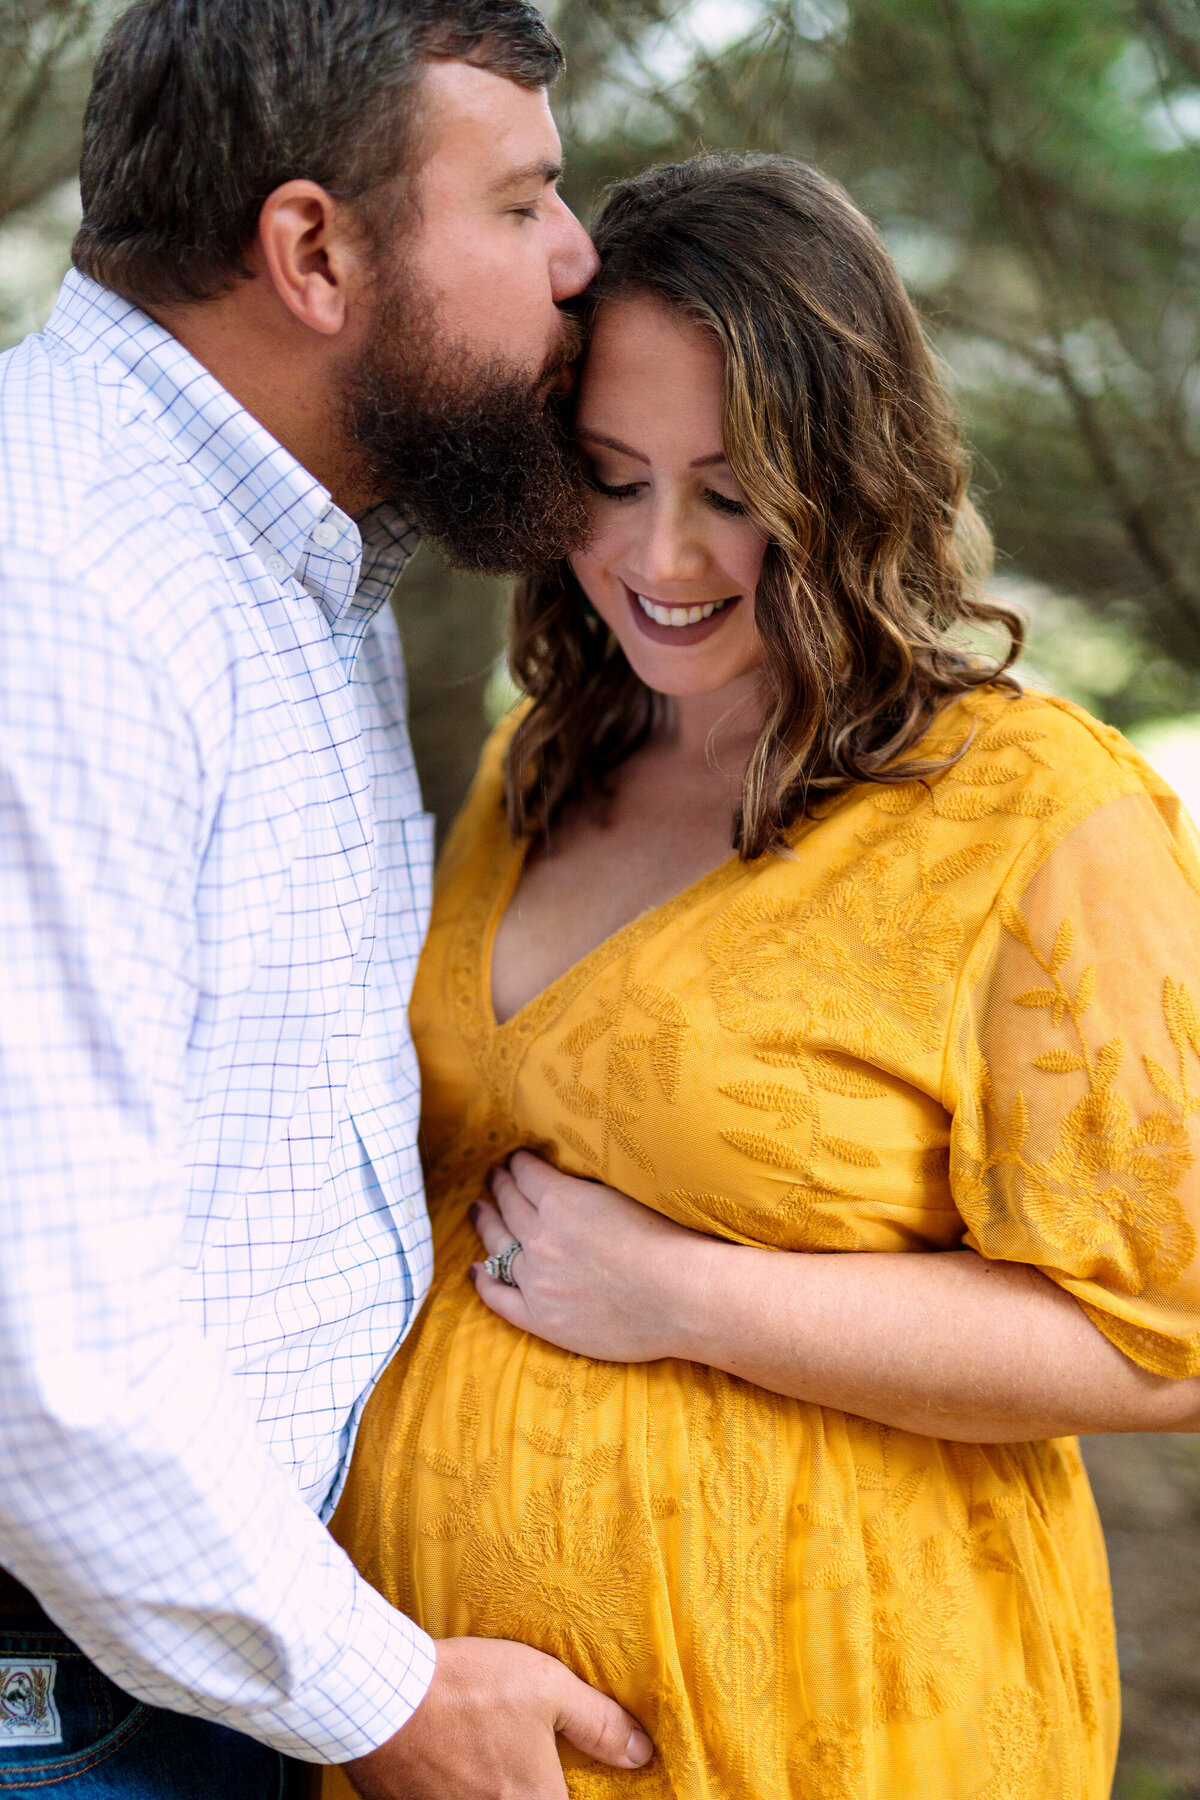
(674,560)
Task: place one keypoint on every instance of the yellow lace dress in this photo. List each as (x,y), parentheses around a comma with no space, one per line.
(958,1012)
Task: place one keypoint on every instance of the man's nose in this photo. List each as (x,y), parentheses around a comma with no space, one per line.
(574,261)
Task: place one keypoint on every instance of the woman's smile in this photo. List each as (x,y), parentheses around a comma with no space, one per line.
(672,622)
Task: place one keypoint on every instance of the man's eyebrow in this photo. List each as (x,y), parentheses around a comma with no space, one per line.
(599,437)
(543,172)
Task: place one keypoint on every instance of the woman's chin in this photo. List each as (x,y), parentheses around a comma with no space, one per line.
(691,662)
(696,688)
(690,673)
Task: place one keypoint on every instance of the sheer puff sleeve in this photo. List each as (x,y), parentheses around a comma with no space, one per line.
(1074,1075)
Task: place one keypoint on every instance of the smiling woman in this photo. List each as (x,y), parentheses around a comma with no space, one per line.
(747,315)
(847,996)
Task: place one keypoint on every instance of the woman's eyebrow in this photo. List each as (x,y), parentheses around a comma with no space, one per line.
(612,443)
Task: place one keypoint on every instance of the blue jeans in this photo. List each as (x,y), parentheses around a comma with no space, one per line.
(65,1725)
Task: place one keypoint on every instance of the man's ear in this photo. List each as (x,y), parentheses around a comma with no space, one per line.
(312,253)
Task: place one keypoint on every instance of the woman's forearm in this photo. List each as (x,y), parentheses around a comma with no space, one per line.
(945,1344)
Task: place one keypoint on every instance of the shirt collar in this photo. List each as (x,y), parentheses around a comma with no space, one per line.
(282,511)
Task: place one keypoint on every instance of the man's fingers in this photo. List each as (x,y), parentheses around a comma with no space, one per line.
(486,1727)
(599,1727)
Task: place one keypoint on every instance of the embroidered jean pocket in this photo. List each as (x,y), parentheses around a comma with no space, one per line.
(58,1714)
(28,1711)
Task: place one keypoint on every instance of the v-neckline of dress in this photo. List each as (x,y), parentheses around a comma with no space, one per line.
(565,986)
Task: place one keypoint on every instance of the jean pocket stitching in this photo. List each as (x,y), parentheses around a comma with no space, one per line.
(45,1774)
(100,1692)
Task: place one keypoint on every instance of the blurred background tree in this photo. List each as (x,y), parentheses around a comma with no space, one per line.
(45,61)
(46,49)
(1034,166)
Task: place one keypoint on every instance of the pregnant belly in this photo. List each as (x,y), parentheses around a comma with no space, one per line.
(758,1580)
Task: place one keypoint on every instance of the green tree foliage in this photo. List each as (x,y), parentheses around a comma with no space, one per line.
(1034,165)
(46,49)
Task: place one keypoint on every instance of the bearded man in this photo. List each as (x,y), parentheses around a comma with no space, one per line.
(315,308)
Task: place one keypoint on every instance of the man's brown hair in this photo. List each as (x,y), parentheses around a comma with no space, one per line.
(200,108)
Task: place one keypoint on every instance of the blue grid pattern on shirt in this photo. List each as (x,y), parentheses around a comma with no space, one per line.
(214,883)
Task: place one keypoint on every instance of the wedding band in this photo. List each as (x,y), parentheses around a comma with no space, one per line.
(500,1267)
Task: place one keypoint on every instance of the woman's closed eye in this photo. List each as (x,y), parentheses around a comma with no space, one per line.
(624,490)
(629,490)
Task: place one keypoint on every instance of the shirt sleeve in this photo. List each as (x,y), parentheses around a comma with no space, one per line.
(1076,1077)
(136,1498)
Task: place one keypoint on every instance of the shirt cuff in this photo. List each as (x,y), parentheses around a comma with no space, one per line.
(372,1680)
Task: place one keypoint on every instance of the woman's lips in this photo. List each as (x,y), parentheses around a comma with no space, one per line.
(678,634)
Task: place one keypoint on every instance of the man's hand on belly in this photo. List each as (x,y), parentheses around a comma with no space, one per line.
(486,1729)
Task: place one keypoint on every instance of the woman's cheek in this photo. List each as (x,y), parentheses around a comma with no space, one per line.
(592,567)
(745,552)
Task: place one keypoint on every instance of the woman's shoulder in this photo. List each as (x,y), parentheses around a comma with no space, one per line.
(1021,770)
(1033,768)
(1034,756)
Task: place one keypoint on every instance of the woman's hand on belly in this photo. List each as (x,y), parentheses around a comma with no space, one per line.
(948,1345)
(598,1273)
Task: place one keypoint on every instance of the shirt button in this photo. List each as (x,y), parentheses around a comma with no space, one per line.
(326,534)
(276,565)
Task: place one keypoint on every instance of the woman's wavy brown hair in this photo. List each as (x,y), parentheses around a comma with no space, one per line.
(847,453)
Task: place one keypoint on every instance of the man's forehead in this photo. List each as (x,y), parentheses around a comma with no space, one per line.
(479,111)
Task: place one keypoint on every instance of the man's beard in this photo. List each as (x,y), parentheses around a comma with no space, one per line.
(476,454)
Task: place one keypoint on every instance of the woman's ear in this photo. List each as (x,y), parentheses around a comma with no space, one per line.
(311,248)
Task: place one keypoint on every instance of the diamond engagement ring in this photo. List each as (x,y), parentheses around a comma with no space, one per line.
(500,1267)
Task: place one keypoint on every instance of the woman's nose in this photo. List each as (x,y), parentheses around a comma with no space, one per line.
(670,549)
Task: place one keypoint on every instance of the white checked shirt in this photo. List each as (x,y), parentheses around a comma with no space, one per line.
(214,879)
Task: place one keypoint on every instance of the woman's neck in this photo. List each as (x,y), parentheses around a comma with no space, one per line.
(720,729)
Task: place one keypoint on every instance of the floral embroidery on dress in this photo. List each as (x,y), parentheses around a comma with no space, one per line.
(809,1225)
(741,1577)
(864,966)
(568,1576)
(1106,1198)
(919,1596)
(867,964)
(976,788)
(641,1030)
(797,1603)
(1016,1729)
(829,1760)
